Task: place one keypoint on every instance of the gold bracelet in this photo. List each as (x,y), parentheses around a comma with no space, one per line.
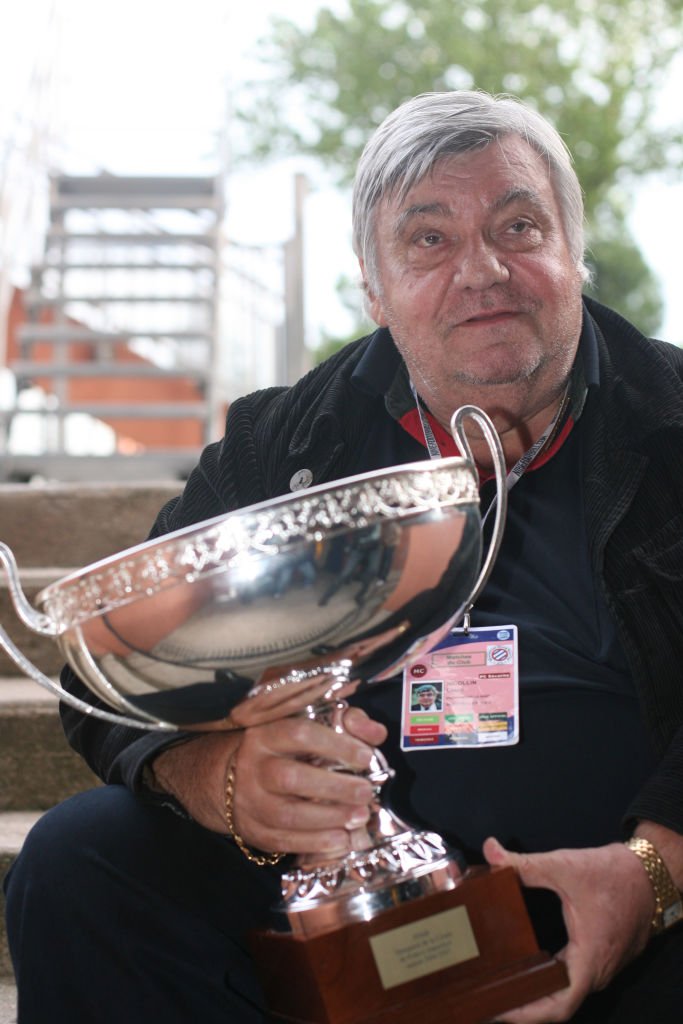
(262,859)
(668,904)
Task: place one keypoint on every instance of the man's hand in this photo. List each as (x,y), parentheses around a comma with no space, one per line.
(608,906)
(282,801)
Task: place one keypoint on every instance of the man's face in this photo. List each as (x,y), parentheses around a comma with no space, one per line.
(476,282)
(426,697)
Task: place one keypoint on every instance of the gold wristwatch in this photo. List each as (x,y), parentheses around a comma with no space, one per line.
(668,902)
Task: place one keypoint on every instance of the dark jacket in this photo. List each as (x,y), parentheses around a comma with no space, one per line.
(634,511)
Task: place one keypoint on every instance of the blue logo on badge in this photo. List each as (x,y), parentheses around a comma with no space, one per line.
(503,634)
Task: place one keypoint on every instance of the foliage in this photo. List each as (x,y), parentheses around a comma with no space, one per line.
(352,298)
(593,67)
(621,277)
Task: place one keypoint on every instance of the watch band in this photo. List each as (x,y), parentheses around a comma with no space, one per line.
(668,902)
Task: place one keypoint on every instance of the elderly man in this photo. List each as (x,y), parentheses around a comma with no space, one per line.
(131,902)
(427,699)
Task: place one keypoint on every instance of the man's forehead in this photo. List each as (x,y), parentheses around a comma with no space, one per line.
(507,170)
(514,195)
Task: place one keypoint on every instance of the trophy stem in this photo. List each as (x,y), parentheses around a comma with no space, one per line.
(389,862)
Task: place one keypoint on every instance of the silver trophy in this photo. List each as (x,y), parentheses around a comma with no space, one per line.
(288,607)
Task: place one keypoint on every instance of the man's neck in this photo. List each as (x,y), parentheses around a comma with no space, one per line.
(518,431)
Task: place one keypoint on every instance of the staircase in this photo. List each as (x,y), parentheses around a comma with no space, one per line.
(52,529)
(120,329)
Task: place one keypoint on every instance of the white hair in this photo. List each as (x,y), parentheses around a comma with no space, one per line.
(429,127)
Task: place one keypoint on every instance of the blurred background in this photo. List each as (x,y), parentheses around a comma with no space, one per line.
(174,193)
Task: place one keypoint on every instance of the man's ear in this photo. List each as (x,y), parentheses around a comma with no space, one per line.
(373,302)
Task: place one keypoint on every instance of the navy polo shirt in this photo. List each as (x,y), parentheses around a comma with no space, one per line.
(583,752)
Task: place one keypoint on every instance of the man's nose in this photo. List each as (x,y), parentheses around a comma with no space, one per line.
(478,266)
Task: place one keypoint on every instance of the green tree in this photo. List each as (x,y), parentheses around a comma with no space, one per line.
(593,67)
(352,298)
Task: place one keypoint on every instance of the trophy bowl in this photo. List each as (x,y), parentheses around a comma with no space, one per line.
(289,607)
(257,605)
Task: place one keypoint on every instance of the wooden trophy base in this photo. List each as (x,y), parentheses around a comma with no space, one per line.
(455,957)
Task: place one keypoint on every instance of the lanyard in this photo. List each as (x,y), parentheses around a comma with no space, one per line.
(522,464)
(574,392)
(430,440)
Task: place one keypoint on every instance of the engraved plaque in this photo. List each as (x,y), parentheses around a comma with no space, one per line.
(422,947)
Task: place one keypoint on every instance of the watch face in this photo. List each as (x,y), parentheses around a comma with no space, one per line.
(672,914)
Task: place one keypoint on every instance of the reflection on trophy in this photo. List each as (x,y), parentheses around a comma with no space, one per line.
(290,607)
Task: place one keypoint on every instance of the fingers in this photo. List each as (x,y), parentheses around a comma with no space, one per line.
(286,795)
(496,854)
(303,738)
(560,1006)
(358,724)
(543,1011)
(296,826)
(289,777)
(607,912)
(537,871)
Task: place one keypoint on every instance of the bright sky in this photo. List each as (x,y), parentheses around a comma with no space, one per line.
(145,84)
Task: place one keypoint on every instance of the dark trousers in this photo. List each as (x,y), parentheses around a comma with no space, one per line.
(120,910)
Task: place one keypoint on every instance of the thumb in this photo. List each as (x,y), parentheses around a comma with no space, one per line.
(496,854)
(534,869)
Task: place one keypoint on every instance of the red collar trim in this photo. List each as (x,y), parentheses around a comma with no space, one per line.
(410,422)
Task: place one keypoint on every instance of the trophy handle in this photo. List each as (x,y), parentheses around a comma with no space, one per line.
(501,500)
(44,626)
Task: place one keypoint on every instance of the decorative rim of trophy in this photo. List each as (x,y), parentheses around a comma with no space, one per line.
(266,529)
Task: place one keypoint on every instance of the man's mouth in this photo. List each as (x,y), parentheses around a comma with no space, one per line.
(491,316)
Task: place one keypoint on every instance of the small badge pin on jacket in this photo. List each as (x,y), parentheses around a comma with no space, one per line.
(302,479)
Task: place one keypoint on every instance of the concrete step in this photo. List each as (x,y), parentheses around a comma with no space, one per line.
(8,1002)
(14,828)
(152,464)
(76,524)
(37,766)
(48,527)
(55,528)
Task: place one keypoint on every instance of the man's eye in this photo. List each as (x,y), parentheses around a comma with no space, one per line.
(524,227)
(429,239)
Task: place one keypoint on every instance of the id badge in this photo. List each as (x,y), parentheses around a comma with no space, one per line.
(464,692)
